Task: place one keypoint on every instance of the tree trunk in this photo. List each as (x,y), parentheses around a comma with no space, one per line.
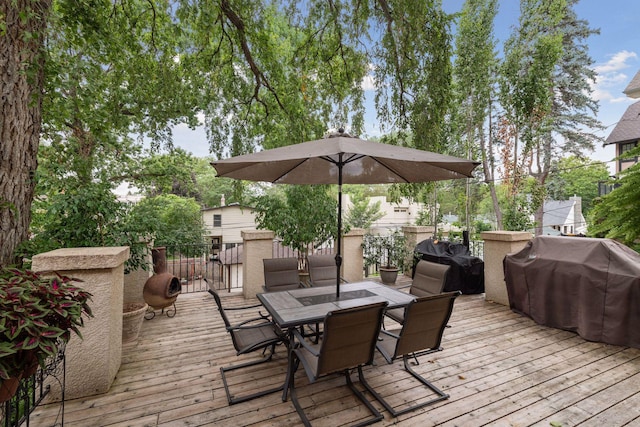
(488,166)
(21,76)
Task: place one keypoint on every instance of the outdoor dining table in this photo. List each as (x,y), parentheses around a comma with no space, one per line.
(298,307)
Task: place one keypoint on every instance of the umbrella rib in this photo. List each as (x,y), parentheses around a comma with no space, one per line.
(351,158)
(390,169)
(289,170)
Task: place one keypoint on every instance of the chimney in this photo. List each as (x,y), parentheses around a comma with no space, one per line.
(222,201)
(577,213)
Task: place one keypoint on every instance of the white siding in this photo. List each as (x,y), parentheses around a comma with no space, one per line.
(234,219)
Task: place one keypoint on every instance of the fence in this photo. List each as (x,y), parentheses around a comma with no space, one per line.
(33,389)
(193,263)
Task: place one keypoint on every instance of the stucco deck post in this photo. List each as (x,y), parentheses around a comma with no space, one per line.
(497,244)
(416,234)
(257,245)
(352,262)
(92,362)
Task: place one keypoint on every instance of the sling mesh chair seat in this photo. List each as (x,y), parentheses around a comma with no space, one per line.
(429,279)
(323,270)
(281,274)
(340,351)
(257,333)
(424,323)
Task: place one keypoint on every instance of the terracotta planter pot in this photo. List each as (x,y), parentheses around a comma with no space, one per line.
(132,318)
(8,388)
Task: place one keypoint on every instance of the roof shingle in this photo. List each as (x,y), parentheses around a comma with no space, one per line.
(628,128)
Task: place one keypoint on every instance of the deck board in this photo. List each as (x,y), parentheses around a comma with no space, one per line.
(500,368)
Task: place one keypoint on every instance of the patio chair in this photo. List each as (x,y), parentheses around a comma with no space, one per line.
(322,270)
(424,323)
(257,333)
(429,279)
(281,274)
(340,351)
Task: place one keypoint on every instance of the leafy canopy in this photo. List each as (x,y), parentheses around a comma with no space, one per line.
(301,215)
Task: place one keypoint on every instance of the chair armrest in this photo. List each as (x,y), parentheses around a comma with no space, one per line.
(264,319)
(391,334)
(304,343)
(243,307)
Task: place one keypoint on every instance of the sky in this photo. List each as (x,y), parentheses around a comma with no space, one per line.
(616,52)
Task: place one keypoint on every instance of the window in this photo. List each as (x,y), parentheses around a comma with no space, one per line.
(217,220)
(627,147)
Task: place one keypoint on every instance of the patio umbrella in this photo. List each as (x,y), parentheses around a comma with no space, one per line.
(342,159)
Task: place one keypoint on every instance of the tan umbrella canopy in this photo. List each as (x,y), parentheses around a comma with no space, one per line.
(343,159)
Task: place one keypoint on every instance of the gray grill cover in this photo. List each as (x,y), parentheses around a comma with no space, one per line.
(589,286)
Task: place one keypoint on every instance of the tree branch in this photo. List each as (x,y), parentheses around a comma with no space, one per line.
(259,77)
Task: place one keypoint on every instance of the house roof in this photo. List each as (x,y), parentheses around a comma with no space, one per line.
(633,88)
(556,212)
(230,205)
(628,128)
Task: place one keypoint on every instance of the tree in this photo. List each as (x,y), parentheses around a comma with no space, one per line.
(362,213)
(22,34)
(544,89)
(262,74)
(474,72)
(576,176)
(103,69)
(84,216)
(301,215)
(617,215)
(212,189)
(169,219)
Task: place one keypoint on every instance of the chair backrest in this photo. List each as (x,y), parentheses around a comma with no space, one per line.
(349,337)
(322,270)
(216,297)
(425,320)
(281,274)
(429,278)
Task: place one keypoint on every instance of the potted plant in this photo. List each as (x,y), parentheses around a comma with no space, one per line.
(38,314)
(390,252)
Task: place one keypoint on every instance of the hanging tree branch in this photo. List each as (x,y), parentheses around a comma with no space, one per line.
(259,77)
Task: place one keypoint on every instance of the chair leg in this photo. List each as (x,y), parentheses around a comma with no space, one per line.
(394,412)
(294,395)
(377,416)
(231,398)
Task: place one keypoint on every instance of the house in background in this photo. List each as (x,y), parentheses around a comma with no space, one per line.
(395,214)
(626,133)
(223,224)
(625,136)
(633,88)
(564,217)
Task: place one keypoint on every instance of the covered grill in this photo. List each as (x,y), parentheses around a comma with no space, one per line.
(589,286)
(466,273)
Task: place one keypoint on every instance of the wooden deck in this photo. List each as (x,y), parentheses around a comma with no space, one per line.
(500,369)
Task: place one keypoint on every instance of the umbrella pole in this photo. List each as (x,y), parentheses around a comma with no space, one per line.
(339,240)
